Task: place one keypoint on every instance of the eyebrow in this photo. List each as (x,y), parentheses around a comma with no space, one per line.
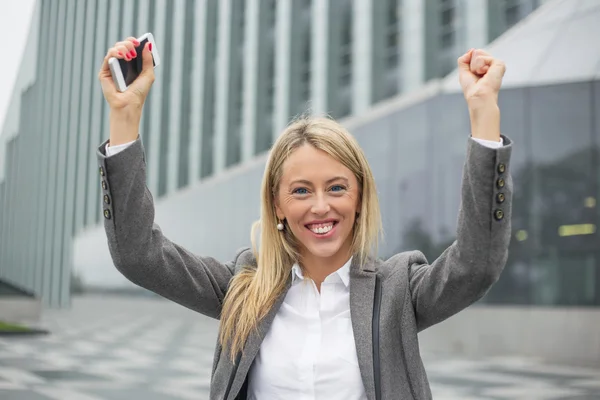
(305,182)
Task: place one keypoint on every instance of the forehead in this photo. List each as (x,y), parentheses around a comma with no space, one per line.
(313,164)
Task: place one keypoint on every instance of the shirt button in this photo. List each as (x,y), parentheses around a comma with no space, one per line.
(501,168)
(500,198)
(498,214)
(106,199)
(500,183)
(107,214)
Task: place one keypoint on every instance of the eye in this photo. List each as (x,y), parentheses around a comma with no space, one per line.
(337,188)
(300,191)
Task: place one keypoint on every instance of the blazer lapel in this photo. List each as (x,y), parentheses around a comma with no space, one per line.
(362,293)
(254,341)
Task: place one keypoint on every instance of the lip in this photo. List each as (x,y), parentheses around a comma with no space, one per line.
(321,221)
(323,235)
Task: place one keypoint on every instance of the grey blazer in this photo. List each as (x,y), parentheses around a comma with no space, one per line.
(390,301)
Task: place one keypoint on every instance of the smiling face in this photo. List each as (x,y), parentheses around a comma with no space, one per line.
(319,198)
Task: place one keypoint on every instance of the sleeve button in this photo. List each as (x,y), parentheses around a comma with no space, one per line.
(499,215)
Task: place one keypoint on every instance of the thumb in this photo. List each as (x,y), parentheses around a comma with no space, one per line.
(465,76)
(464,61)
(143,83)
(148,60)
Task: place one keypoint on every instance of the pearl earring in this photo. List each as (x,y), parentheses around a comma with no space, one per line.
(280,226)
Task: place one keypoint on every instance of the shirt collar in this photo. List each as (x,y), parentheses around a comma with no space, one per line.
(343,273)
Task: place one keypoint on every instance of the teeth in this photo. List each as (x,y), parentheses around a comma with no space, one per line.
(322,229)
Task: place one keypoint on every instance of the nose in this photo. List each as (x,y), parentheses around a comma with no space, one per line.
(320,205)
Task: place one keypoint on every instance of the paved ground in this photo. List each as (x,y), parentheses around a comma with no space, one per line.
(138,348)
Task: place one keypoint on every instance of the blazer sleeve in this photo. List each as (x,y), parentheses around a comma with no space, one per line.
(139,249)
(466,270)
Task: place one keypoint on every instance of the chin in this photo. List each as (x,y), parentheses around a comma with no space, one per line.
(324,250)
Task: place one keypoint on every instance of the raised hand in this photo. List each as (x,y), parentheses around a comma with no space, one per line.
(135,96)
(126,108)
(480,76)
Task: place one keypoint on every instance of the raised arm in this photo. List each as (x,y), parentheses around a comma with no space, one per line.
(137,245)
(466,270)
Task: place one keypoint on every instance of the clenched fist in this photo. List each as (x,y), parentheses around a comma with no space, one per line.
(480,76)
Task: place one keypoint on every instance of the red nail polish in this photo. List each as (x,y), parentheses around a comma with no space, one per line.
(136,43)
(132,53)
(150,46)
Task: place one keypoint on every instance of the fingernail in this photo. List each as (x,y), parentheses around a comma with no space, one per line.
(132,53)
(150,46)
(136,43)
(120,53)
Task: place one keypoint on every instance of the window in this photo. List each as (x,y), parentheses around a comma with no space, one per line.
(392,39)
(512,12)
(346,45)
(306,71)
(447,9)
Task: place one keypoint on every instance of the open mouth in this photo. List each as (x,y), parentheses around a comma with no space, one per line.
(322,229)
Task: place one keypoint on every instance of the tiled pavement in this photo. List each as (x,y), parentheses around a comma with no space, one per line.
(145,348)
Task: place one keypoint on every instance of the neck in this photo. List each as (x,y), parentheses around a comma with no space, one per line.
(318,268)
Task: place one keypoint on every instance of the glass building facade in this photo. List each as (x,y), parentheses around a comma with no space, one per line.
(554,253)
(232,76)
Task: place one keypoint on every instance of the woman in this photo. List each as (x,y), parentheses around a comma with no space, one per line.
(312,313)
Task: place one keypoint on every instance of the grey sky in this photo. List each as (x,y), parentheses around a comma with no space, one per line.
(15,19)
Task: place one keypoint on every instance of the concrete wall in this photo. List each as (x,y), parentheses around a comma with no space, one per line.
(557,335)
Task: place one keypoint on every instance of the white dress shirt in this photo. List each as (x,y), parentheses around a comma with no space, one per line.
(309,352)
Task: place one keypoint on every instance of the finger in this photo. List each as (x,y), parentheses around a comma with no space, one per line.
(130,42)
(481,52)
(130,48)
(123,52)
(133,40)
(112,52)
(497,69)
(464,60)
(479,62)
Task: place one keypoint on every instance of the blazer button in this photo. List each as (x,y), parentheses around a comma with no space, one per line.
(500,198)
(106,199)
(501,168)
(107,214)
(500,183)
(101,171)
(104,185)
(498,214)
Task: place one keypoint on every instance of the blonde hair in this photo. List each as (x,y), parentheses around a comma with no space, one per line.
(253,291)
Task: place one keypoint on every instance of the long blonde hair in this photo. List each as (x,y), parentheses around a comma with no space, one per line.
(253,291)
